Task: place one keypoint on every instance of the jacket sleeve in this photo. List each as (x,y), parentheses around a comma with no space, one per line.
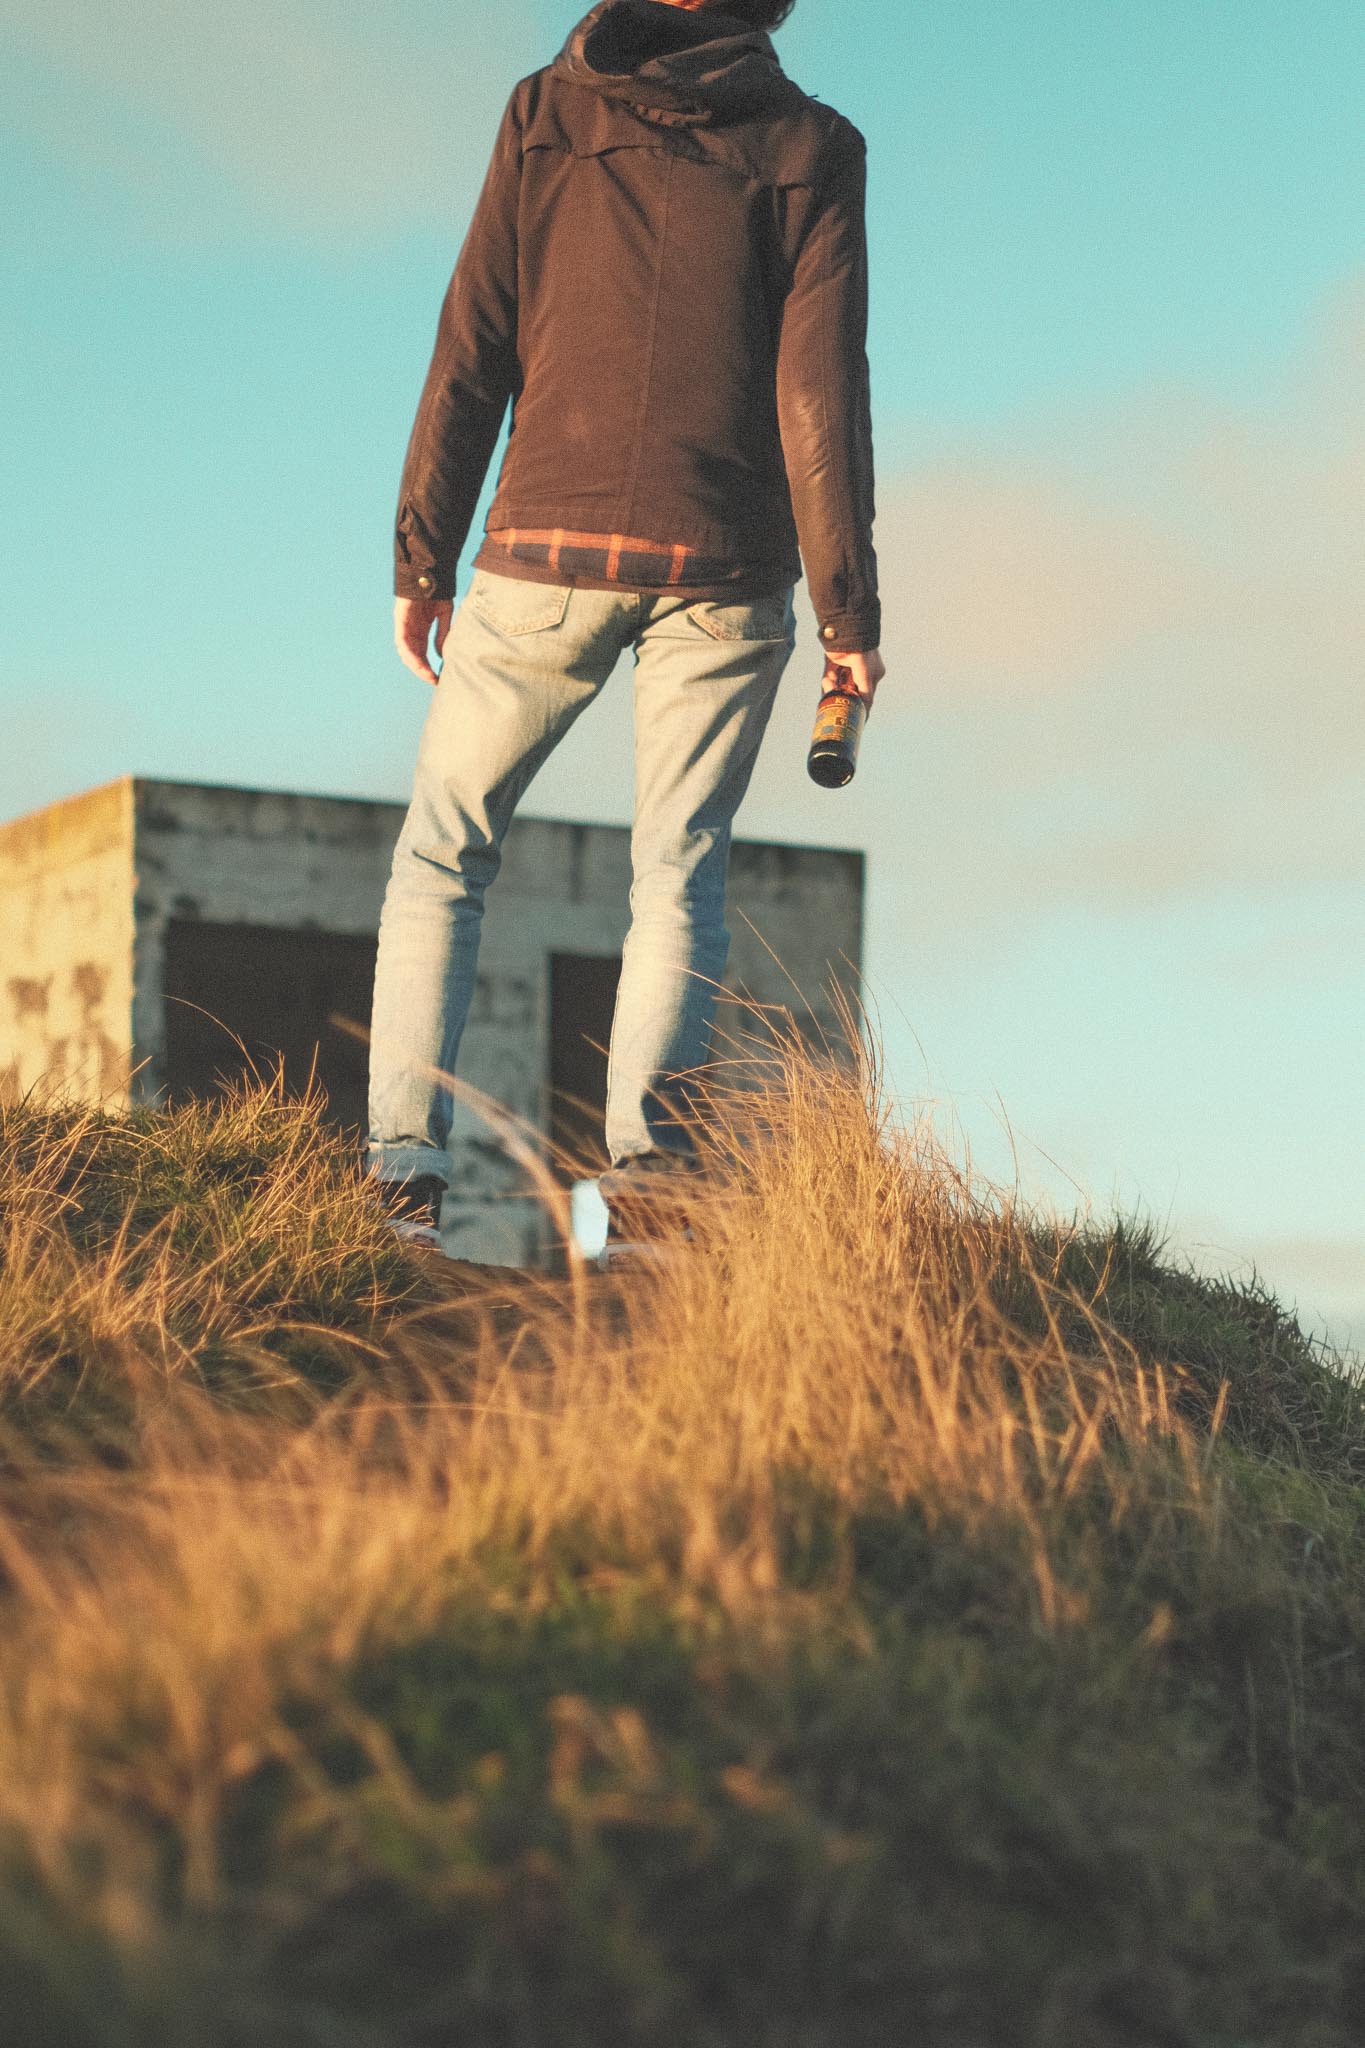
(473,372)
(824,403)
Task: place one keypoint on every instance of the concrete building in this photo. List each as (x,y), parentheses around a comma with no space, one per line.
(144,923)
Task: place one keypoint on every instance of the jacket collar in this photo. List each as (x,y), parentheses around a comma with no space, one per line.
(672,64)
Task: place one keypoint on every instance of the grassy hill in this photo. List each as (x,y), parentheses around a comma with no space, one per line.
(911,1619)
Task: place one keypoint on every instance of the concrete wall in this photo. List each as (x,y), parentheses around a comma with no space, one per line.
(245,856)
(796,926)
(66,947)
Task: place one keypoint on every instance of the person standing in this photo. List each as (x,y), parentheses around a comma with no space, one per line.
(666,276)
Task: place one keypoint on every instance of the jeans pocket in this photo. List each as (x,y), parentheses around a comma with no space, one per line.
(515,604)
(753,618)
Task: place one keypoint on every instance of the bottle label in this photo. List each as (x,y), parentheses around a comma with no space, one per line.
(839,719)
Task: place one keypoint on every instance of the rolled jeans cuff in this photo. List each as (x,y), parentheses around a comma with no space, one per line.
(402,1163)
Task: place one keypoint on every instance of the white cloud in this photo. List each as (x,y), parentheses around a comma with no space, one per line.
(315,120)
(1147,625)
(1322,948)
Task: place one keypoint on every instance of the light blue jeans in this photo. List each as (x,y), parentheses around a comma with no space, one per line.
(520,662)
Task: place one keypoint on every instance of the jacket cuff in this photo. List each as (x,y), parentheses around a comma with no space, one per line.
(425,583)
(852,632)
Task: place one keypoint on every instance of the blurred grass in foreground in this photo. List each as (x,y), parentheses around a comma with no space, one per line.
(912,1618)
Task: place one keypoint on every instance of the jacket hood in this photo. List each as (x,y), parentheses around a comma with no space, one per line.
(673,65)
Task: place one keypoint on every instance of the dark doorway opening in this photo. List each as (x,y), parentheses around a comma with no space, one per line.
(275,990)
(582,1003)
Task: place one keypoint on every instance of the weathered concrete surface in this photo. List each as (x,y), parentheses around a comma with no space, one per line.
(91,887)
(66,947)
(245,856)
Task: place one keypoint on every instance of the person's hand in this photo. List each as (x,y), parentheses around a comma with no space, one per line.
(413,619)
(867,671)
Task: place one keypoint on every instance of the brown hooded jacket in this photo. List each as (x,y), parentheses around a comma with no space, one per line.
(666,273)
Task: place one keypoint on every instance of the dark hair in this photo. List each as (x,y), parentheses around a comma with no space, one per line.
(765,14)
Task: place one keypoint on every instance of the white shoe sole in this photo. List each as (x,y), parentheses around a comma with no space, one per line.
(409,1231)
(624,1255)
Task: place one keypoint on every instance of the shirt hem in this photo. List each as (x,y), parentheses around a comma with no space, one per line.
(754,580)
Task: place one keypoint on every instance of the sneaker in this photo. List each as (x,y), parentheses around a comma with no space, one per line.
(613,1256)
(640,1236)
(413,1209)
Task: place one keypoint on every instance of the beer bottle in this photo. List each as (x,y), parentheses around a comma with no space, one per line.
(839,722)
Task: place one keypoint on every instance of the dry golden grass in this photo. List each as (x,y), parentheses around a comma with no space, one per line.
(881,1425)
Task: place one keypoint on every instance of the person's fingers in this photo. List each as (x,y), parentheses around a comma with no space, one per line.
(413,620)
(865,670)
(411,627)
(412,651)
(410,655)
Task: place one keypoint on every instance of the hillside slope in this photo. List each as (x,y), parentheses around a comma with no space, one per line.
(911,1618)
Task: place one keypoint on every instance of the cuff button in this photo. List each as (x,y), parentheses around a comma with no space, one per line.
(424,582)
(828,632)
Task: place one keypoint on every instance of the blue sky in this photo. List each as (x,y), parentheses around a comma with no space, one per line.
(1113,786)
